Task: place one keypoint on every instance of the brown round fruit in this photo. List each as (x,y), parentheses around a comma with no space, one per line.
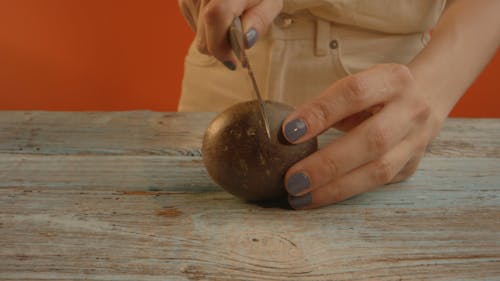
(239,156)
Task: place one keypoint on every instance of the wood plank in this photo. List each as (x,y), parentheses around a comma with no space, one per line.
(63,234)
(125,196)
(183,173)
(102,133)
(156,133)
(105,172)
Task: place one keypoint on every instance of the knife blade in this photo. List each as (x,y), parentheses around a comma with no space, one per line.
(237,45)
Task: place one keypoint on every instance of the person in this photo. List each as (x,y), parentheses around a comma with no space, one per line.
(369,68)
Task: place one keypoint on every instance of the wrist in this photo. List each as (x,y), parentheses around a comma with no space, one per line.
(436,95)
(434,88)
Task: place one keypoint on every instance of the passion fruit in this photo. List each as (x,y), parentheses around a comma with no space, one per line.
(239,156)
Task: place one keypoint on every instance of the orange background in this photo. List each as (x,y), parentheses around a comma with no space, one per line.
(121,55)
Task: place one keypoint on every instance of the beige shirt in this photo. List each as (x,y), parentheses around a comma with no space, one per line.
(311,44)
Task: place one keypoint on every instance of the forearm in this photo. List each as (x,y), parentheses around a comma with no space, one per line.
(464,40)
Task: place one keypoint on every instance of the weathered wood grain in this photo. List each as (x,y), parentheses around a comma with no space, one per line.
(181,134)
(124,196)
(176,173)
(111,235)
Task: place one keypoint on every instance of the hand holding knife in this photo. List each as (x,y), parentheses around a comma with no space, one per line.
(236,36)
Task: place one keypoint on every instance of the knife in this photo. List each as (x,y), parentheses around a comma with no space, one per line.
(237,45)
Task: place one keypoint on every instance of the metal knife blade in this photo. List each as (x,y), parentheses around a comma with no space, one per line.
(238,46)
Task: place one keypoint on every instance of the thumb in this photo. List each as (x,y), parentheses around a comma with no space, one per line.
(257,19)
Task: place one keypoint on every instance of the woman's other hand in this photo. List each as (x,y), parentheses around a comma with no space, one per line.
(389,123)
(391,112)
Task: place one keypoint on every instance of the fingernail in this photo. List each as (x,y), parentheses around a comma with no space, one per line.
(297,183)
(251,37)
(230,65)
(301,201)
(295,129)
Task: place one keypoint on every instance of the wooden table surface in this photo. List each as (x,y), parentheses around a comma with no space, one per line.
(125,196)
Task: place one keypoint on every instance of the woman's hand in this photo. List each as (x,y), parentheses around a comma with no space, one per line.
(391,111)
(211,20)
(389,123)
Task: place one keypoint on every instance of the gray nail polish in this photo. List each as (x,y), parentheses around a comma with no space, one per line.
(230,65)
(295,129)
(251,37)
(301,201)
(297,183)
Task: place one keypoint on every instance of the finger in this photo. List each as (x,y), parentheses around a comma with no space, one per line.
(257,19)
(201,42)
(354,120)
(348,96)
(408,170)
(365,178)
(189,10)
(217,16)
(412,165)
(365,143)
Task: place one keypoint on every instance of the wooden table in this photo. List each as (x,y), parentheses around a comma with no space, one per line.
(124,196)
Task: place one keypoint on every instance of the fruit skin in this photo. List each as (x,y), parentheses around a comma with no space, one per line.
(241,159)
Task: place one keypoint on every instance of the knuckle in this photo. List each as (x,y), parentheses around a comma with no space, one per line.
(384,171)
(278,5)
(336,194)
(406,172)
(422,110)
(355,89)
(333,193)
(261,18)
(379,139)
(421,146)
(213,12)
(401,73)
(201,46)
(331,165)
(410,171)
(321,113)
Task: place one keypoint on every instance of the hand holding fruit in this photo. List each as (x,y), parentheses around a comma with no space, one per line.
(378,149)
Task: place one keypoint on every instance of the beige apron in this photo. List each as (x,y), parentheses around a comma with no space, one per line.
(311,44)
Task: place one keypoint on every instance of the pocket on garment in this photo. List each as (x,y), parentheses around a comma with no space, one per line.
(194,57)
(339,62)
(362,50)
